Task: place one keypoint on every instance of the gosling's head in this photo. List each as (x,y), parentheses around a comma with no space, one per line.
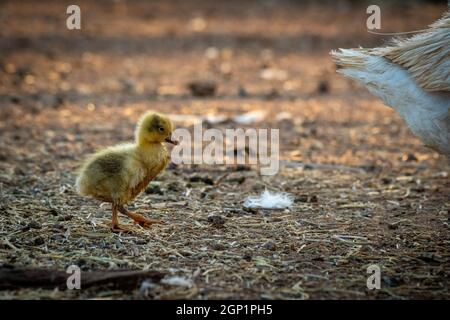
(153,128)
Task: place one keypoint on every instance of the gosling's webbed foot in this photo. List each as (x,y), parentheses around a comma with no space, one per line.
(140,219)
(119,228)
(147,223)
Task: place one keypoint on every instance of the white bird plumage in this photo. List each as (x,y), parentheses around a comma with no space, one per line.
(413,77)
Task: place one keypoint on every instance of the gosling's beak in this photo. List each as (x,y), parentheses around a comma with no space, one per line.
(169,140)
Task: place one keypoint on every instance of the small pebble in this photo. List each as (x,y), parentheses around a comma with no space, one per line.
(202,88)
(38,241)
(409,157)
(173,258)
(238,180)
(174,187)
(154,189)
(65,218)
(205,180)
(247,257)
(242,92)
(270,245)
(306,198)
(216,220)
(31,225)
(53,212)
(251,210)
(323,87)
(218,246)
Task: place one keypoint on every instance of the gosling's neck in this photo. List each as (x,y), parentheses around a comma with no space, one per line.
(148,146)
(149,152)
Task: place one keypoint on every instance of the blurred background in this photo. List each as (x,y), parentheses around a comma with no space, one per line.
(202,58)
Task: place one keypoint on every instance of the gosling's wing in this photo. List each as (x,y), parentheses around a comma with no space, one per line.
(109,164)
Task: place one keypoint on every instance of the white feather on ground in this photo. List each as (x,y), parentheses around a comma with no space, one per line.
(412,77)
(177,281)
(269,200)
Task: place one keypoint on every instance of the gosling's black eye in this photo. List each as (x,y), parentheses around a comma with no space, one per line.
(161,129)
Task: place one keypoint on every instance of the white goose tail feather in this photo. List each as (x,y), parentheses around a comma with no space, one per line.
(411,76)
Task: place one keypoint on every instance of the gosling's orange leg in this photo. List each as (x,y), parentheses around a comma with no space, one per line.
(116,227)
(139,219)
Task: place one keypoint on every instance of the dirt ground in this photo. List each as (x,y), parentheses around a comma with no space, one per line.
(369,194)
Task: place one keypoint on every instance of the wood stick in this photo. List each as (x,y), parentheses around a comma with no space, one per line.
(320,166)
(15,278)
